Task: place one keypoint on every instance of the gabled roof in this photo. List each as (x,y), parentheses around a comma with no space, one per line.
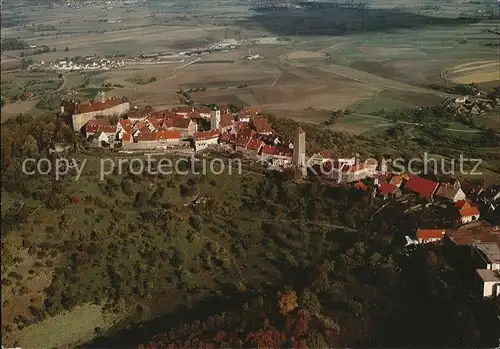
(205,110)
(426,234)
(251,110)
(100,125)
(261,125)
(147,136)
(276,151)
(167,135)
(468,210)
(254,144)
(424,187)
(396,180)
(202,136)
(226,120)
(361,186)
(246,131)
(387,188)
(126,125)
(227,138)
(126,137)
(194,115)
(447,191)
(96,106)
(242,141)
(181,123)
(156,123)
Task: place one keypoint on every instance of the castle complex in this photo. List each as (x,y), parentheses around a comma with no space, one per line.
(82,113)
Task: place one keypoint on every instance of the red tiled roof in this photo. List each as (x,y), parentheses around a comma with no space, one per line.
(424,187)
(126,125)
(276,150)
(246,131)
(168,123)
(147,136)
(202,136)
(154,122)
(243,114)
(426,234)
(99,125)
(171,134)
(126,137)
(242,141)
(95,106)
(361,186)
(396,180)
(194,115)
(204,110)
(254,144)
(226,120)
(325,154)
(467,210)
(181,123)
(461,204)
(224,109)
(252,110)
(261,125)
(227,138)
(387,188)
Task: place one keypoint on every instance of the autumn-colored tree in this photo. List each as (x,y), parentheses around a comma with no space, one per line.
(301,324)
(288,302)
(266,338)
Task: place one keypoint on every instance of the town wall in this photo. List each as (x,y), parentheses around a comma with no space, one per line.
(81,119)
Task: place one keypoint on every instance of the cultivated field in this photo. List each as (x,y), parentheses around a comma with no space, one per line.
(475,72)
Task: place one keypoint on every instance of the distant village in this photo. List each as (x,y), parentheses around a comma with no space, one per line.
(88,63)
(247,134)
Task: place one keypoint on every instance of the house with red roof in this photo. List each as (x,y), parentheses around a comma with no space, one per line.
(397,180)
(254,146)
(261,126)
(205,112)
(425,188)
(124,126)
(388,190)
(277,155)
(425,236)
(466,212)
(168,136)
(227,138)
(242,142)
(203,140)
(183,110)
(226,123)
(100,125)
(186,127)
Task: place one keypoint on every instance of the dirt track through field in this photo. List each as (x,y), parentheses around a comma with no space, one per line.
(368,78)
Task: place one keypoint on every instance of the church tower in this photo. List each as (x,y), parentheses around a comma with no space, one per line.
(299,150)
(215,119)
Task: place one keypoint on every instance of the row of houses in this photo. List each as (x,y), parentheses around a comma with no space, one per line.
(484,244)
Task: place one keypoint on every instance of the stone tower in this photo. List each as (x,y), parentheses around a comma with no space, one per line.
(299,150)
(215,119)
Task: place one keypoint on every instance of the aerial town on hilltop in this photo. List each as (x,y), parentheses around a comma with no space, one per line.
(249,135)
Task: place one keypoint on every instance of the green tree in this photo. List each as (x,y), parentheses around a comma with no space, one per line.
(309,301)
(30,147)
